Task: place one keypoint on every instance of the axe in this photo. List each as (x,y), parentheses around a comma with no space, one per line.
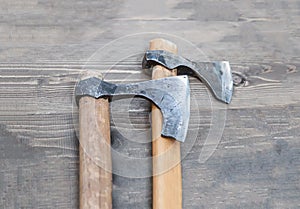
(170,95)
(161,61)
(167,186)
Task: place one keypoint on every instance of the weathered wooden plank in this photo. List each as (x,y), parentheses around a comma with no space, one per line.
(44,49)
(45,124)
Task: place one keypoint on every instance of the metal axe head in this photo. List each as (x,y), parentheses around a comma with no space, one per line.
(171,95)
(216,75)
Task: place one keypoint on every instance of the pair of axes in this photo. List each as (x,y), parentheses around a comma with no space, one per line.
(170,115)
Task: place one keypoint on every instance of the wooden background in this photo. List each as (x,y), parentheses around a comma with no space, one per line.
(44,47)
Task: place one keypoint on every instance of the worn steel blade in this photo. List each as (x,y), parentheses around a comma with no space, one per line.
(216,75)
(171,95)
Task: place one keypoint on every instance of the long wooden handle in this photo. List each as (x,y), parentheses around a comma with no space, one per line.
(167,183)
(95,178)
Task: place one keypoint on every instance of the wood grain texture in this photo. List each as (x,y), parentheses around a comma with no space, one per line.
(167,180)
(95,177)
(44,47)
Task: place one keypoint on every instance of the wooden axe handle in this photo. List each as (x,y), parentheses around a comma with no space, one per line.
(95,178)
(167,186)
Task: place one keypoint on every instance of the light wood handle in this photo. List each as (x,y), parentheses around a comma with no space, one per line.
(95,178)
(167,183)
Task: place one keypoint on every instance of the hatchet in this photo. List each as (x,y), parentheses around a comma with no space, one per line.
(161,61)
(167,186)
(170,95)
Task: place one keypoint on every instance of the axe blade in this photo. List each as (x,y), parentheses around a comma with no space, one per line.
(171,95)
(216,75)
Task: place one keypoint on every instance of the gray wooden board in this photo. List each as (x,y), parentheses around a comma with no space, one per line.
(44,47)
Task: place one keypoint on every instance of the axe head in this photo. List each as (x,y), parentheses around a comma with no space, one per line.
(171,95)
(216,75)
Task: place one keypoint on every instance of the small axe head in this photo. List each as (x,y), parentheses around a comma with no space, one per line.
(171,95)
(216,75)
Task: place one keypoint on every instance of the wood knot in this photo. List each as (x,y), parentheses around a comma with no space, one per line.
(291,68)
(238,79)
(266,68)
